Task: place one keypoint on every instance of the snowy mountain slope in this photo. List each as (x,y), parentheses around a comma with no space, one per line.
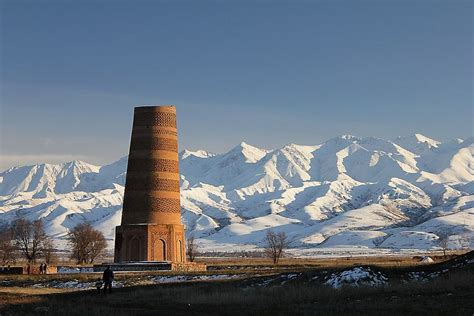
(417,144)
(451,162)
(346,192)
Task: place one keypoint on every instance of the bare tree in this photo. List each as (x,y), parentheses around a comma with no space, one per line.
(7,248)
(464,242)
(87,243)
(192,248)
(48,252)
(275,245)
(97,246)
(444,242)
(29,237)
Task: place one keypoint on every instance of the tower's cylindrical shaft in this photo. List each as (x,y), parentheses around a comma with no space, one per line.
(152,183)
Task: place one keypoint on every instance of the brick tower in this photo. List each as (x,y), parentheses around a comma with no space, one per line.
(151,228)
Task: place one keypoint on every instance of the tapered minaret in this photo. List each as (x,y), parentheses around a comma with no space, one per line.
(151,228)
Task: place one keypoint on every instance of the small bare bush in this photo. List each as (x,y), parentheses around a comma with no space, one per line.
(192,248)
(48,252)
(275,245)
(444,243)
(464,242)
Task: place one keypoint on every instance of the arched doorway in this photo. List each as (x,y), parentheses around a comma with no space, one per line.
(160,250)
(163,245)
(135,249)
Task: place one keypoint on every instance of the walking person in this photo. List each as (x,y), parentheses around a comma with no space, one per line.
(108,278)
(44,268)
(41,268)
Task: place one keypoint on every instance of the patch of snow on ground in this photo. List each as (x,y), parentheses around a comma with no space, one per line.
(72,284)
(357,276)
(66,270)
(187,278)
(290,277)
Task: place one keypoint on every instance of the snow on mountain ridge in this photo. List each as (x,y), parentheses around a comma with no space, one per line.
(198,153)
(58,178)
(374,188)
(417,143)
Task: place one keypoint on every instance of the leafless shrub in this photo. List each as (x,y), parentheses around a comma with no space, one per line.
(443,242)
(48,252)
(192,248)
(86,242)
(275,245)
(464,242)
(30,238)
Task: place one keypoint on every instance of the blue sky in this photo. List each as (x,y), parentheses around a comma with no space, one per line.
(265,72)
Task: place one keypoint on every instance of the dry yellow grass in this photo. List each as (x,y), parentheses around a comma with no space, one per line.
(32,291)
(450,295)
(382,261)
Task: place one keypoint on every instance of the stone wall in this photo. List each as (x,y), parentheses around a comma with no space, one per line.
(159,266)
(188,267)
(153,266)
(34,269)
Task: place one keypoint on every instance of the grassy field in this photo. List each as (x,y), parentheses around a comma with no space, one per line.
(449,293)
(382,261)
(453,295)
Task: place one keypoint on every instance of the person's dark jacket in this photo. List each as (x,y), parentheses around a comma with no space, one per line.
(108,276)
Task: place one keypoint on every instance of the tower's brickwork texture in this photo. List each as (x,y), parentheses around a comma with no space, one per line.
(151,228)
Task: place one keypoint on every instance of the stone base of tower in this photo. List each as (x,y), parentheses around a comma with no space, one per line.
(145,266)
(150,242)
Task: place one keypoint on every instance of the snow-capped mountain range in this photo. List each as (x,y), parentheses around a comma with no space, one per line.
(347,192)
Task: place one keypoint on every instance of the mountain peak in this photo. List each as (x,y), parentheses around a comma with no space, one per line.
(198,153)
(348,137)
(301,148)
(342,140)
(251,153)
(345,137)
(424,139)
(246,145)
(80,166)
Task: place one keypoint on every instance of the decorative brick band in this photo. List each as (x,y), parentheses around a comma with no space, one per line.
(155,132)
(152,184)
(166,119)
(155,143)
(165,205)
(144,165)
